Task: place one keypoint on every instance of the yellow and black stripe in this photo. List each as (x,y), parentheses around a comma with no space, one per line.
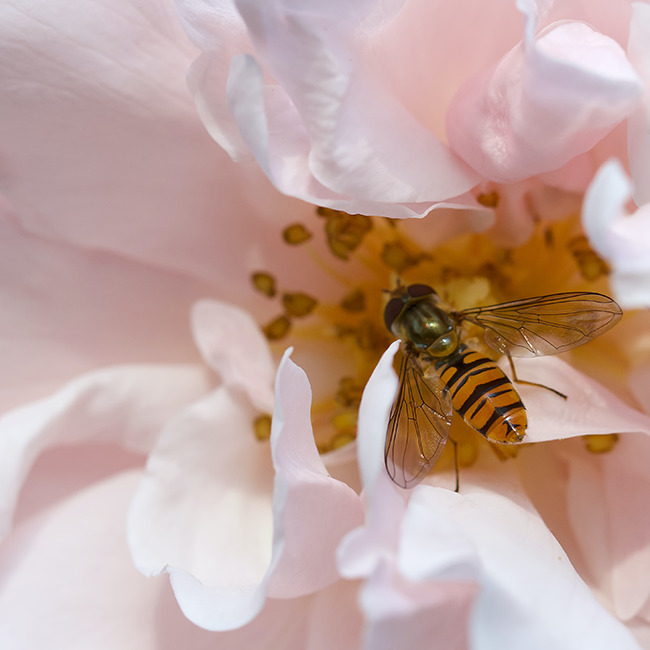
(484,397)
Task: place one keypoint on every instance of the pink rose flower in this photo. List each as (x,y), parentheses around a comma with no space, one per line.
(144,272)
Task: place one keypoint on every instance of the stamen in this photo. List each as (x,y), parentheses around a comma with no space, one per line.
(354,302)
(341,440)
(369,336)
(344,231)
(590,264)
(396,257)
(264,283)
(262,427)
(296,234)
(489,199)
(298,304)
(349,393)
(277,329)
(601,444)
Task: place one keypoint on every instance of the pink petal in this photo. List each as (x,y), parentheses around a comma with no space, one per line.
(545,102)
(226,548)
(638,130)
(513,553)
(102,147)
(67,311)
(309,125)
(364,548)
(232,343)
(312,511)
(335,620)
(208,75)
(590,409)
(69,569)
(203,511)
(126,405)
(101,601)
(405,614)
(622,239)
(614,539)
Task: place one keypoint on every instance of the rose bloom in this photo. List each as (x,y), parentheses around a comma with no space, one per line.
(198,378)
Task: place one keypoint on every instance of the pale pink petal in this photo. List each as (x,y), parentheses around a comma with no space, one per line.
(312,511)
(639,123)
(551,98)
(590,409)
(68,582)
(203,20)
(622,239)
(527,582)
(364,548)
(639,385)
(70,569)
(605,496)
(233,345)
(66,312)
(204,510)
(126,405)
(404,614)
(640,627)
(335,620)
(102,146)
(421,54)
(321,128)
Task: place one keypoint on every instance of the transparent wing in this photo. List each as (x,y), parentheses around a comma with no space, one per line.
(546,324)
(419,424)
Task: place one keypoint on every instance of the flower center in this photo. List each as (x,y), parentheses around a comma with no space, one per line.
(368,256)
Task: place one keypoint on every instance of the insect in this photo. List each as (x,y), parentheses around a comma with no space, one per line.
(440,373)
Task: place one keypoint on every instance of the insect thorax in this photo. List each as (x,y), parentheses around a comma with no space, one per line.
(427,328)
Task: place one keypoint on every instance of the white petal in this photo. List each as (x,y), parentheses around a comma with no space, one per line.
(363,548)
(232,343)
(622,239)
(529,590)
(203,511)
(208,514)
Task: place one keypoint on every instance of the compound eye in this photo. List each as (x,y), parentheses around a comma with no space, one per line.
(419,290)
(392,311)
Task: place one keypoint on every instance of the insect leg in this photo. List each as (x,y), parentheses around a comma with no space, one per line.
(453,442)
(530,383)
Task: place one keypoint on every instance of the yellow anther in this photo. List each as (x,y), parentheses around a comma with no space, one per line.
(601,444)
(354,302)
(369,336)
(296,234)
(488,199)
(341,440)
(349,392)
(590,264)
(344,231)
(395,256)
(298,304)
(277,328)
(262,427)
(264,283)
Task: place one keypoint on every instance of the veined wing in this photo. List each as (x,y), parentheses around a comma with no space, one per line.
(546,324)
(419,423)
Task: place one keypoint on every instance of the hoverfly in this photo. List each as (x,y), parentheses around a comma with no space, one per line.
(439,373)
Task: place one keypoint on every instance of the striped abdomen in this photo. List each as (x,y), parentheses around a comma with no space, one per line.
(484,397)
